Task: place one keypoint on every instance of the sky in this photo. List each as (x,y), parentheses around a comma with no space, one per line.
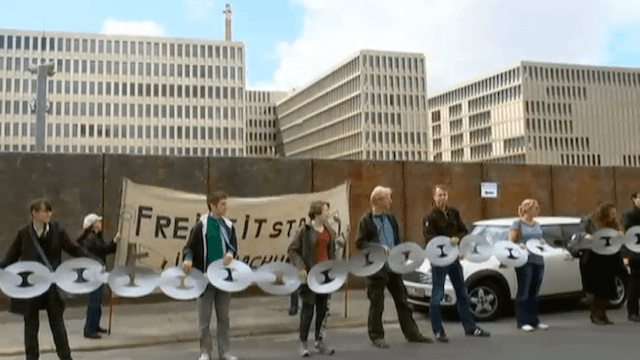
(291,42)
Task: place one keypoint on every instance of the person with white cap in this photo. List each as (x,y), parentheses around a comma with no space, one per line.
(92,240)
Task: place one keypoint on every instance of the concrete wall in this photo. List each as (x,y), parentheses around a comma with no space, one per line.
(79,184)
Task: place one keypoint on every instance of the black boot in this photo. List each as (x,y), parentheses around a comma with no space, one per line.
(89,335)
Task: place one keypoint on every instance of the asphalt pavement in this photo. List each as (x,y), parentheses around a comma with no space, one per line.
(570,337)
(262,329)
(135,325)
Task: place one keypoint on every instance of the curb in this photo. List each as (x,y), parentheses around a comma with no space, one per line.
(170,339)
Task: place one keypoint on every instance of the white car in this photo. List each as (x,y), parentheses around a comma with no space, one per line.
(493,287)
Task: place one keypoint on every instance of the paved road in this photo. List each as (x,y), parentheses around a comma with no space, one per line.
(571,336)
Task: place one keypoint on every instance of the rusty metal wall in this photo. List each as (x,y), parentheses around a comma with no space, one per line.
(627,181)
(79,184)
(578,190)
(259,177)
(463,180)
(72,183)
(515,184)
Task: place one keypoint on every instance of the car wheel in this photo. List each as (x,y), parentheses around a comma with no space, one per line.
(486,300)
(621,293)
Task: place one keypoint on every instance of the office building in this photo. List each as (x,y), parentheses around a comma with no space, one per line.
(262,123)
(125,94)
(540,113)
(370,106)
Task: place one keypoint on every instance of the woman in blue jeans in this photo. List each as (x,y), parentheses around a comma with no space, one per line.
(92,240)
(530,274)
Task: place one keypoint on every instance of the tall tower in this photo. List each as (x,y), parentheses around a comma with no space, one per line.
(228,18)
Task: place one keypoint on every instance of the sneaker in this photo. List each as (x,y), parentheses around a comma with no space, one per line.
(380,343)
(478,332)
(542,326)
(442,337)
(228,357)
(323,349)
(527,328)
(304,349)
(204,356)
(634,318)
(102,330)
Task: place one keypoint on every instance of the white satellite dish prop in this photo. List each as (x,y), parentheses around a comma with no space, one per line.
(327,276)
(278,278)
(79,275)
(440,252)
(368,261)
(632,239)
(406,257)
(475,248)
(607,242)
(536,247)
(133,281)
(179,285)
(25,280)
(510,254)
(235,277)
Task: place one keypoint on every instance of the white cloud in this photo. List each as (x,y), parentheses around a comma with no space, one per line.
(138,28)
(461,39)
(199,10)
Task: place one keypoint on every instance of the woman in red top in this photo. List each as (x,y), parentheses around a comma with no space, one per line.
(313,244)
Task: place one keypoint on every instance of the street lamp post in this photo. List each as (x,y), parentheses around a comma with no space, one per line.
(42,71)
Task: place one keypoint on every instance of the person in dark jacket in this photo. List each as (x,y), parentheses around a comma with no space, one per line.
(630,219)
(445,221)
(311,245)
(92,241)
(52,238)
(212,238)
(599,271)
(379,227)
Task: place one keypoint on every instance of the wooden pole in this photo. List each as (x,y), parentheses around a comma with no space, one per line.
(346,288)
(110,312)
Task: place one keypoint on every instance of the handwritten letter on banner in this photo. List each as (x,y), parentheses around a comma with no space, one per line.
(155,223)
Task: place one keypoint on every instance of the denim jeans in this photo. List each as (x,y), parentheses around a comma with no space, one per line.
(529,280)
(437,294)
(94,311)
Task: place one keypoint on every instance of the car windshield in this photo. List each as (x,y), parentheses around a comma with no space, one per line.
(492,233)
(555,235)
